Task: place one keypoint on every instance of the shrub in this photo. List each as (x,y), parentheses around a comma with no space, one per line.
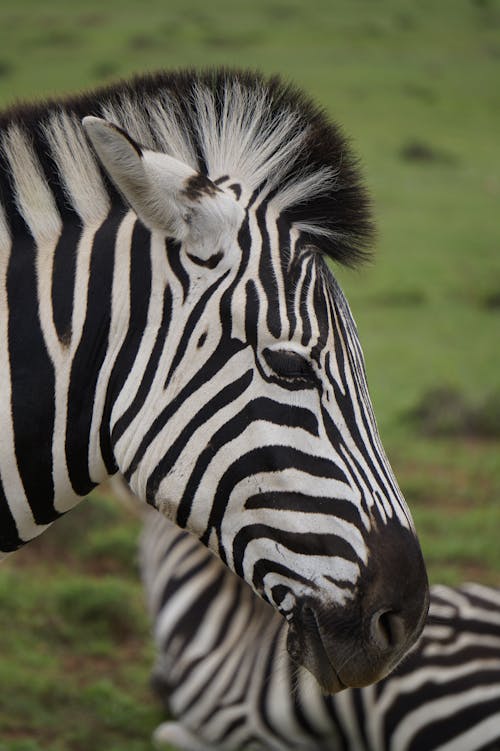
(444,411)
(101,608)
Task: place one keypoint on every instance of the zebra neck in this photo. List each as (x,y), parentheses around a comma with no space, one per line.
(55,323)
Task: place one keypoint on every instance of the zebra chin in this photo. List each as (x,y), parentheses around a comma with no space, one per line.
(360,642)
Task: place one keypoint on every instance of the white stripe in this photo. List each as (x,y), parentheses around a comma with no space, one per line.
(488,594)
(477,737)
(5,241)
(448,706)
(414,681)
(77,167)
(33,197)
(64,496)
(120,311)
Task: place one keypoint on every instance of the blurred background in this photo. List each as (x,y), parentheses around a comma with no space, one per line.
(415,83)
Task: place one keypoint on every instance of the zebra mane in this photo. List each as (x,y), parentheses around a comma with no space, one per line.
(258,131)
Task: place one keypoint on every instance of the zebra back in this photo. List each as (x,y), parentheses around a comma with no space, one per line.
(223,671)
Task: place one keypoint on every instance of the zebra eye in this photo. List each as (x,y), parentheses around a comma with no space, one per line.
(290,365)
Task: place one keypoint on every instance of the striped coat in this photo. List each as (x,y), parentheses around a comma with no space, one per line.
(224,673)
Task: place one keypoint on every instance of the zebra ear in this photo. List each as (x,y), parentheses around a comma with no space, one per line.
(160,189)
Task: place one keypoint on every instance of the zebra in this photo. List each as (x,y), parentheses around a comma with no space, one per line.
(223,671)
(167,313)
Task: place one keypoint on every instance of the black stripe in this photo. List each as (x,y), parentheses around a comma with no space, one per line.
(194,317)
(16,223)
(90,353)
(252,306)
(224,397)
(33,382)
(167,546)
(53,178)
(309,729)
(257,409)
(357,474)
(342,742)
(174,255)
(290,271)
(140,293)
(9,537)
(304,303)
(238,722)
(359,710)
(233,606)
(305,504)
(149,374)
(137,148)
(223,353)
(63,278)
(263,567)
(226,302)
(478,598)
(439,730)
(225,623)
(442,729)
(267,275)
(265,700)
(191,619)
(469,653)
(347,333)
(320,310)
(284,247)
(345,401)
(190,624)
(209,263)
(303,543)
(262,460)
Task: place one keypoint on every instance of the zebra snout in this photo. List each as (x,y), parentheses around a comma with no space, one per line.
(343,649)
(360,641)
(393,594)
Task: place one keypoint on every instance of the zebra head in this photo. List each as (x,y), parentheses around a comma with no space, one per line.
(254,428)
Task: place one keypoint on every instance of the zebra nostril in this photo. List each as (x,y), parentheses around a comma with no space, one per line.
(387,630)
(308,617)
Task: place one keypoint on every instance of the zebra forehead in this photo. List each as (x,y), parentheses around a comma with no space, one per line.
(262,133)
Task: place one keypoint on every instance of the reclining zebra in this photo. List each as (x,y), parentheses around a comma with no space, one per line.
(223,671)
(167,312)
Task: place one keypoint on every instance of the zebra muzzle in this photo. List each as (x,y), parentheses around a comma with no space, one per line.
(339,654)
(360,641)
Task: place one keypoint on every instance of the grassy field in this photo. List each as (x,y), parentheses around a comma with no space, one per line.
(416,85)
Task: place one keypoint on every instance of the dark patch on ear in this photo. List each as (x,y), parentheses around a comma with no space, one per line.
(199,186)
(236,188)
(209,263)
(137,148)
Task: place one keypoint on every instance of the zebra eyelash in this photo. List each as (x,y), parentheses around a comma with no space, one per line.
(290,365)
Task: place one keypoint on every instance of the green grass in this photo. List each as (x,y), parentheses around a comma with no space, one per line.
(416,86)
(75,641)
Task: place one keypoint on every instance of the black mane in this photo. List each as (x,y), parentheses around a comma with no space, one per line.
(334,216)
